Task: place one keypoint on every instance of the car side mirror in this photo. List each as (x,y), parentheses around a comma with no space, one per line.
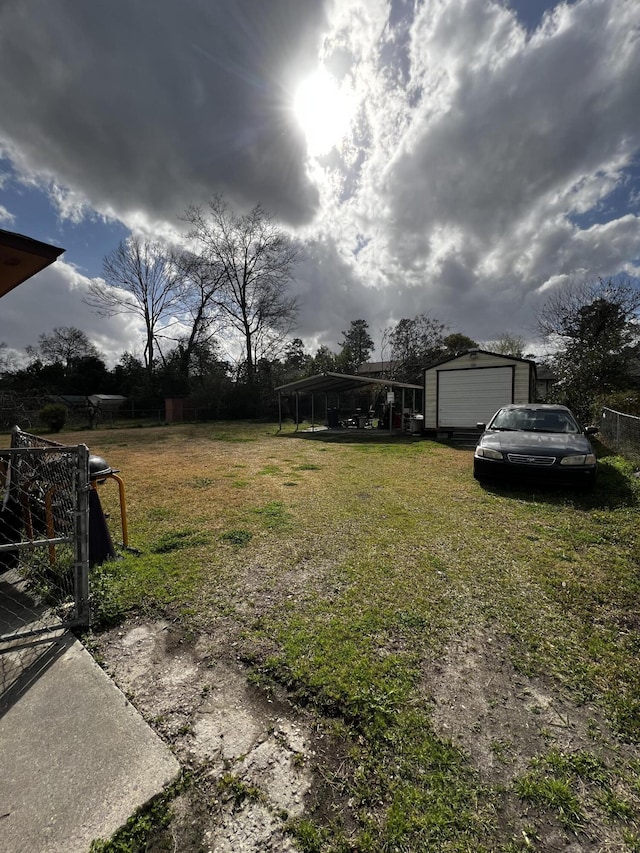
(481,426)
(591,430)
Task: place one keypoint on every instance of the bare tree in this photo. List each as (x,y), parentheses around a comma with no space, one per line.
(65,345)
(196,292)
(255,260)
(141,280)
(508,344)
(7,358)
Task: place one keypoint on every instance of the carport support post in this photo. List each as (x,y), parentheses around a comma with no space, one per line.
(279,412)
(313,414)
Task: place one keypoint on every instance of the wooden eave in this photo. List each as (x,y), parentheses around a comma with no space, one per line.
(21,258)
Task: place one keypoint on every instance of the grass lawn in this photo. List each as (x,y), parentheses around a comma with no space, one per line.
(473,651)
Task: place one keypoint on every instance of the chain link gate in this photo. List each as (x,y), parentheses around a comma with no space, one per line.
(44,536)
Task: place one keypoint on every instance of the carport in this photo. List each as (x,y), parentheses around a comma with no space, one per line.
(324,384)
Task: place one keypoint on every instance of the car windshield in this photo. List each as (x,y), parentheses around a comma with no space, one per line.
(535,420)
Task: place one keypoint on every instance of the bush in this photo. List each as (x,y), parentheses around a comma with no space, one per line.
(54,416)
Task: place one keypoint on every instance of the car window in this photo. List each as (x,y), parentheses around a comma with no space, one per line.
(558,422)
(501,420)
(535,420)
(515,419)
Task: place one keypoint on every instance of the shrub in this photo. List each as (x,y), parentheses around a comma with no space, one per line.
(54,415)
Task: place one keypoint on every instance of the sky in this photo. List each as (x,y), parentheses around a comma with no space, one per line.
(459,158)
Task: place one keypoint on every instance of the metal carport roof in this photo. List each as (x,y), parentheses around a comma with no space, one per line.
(339,382)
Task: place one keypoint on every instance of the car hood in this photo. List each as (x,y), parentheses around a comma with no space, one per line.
(521,441)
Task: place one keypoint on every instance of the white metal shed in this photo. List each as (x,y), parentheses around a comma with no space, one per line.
(468,388)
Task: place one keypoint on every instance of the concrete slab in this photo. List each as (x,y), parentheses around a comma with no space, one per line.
(77,759)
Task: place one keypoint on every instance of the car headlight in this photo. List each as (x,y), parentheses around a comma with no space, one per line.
(580,459)
(488,453)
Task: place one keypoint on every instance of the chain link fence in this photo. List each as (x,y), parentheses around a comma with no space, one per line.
(621,432)
(44,536)
(17,409)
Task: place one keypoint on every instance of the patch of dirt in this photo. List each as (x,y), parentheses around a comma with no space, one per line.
(502,720)
(498,717)
(251,753)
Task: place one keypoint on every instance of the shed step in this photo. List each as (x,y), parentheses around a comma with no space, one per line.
(465,437)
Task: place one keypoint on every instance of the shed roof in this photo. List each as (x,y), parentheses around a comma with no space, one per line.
(339,382)
(479,351)
(22,257)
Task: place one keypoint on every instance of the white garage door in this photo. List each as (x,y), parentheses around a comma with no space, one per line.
(466,397)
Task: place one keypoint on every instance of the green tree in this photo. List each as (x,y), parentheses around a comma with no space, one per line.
(205,360)
(129,376)
(38,377)
(457,342)
(324,361)
(185,367)
(594,334)
(415,343)
(88,375)
(296,360)
(356,347)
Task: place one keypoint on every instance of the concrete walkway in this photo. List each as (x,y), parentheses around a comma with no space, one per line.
(76,758)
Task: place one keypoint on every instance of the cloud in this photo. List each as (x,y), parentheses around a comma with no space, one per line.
(483,154)
(330,293)
(6,218)
(485,161)
(137,107)
(53,298)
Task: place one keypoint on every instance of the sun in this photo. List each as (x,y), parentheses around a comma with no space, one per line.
(323,111)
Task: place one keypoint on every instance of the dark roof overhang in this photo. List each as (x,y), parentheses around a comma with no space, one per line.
(21,258)
(476,351)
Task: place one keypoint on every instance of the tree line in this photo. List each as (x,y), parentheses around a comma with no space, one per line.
(66,362)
